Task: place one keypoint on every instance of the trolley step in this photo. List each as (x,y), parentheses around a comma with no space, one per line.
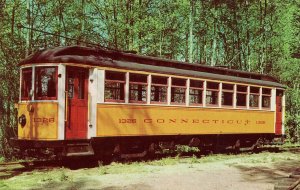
(82,149)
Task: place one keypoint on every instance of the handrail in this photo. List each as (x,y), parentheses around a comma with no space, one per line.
(66,106)
(89,106)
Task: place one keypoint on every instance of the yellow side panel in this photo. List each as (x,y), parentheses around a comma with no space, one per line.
(115,120)
(41,121)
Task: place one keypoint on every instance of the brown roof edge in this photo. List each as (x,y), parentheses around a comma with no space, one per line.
(78,53)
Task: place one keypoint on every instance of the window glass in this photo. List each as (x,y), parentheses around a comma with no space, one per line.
(254,97)
(212,97)
(195,96)
(241,95)
(266,91)
(137,88)
(71,85)
(241,99)
(159,93)
(45,82)
(159,88)
(114,86)
(254,100)
(196,92)
(240,88)
(26,83)
(212,85)
(159,80)
(178,90)
(81,80)
(266,98)
(227,98)
(266,101)
(227,86)
(254,90)
(212,93)
(178,95)
(227,94)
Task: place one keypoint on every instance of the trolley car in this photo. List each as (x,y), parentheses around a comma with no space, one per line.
(78,101)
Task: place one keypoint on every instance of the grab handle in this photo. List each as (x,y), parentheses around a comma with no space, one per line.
(66,106)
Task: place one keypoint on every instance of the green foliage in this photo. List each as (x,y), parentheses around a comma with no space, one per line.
(251,35)
(184,148)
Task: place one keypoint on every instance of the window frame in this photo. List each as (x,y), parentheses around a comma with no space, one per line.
(254,94)
(115,81)
(213,90)
(30,69)
(230,91)
(266,95)
(196,88)
(36,97)
(241,92)
(138,83)
(158,85)
(180,87)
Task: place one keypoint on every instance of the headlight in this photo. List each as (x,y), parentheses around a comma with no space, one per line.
(22,120)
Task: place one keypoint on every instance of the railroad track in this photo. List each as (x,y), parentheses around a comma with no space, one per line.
(10,169)
(292,182)
(60,163)
(28,165)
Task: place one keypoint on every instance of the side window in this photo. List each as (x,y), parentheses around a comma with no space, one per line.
(159,88)
(46,83)
(26,83)
(137,88)
(196,91)
(212,92)
(266,98)
(241,96)
(227,94)
(178,89)
(114,86)
(254,97)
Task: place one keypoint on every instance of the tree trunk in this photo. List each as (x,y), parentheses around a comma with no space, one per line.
(214,42)
(13,21)
(28,28)
(115,26)
(191,21)
(82,36)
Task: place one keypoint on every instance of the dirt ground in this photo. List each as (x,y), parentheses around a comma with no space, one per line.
(244,171)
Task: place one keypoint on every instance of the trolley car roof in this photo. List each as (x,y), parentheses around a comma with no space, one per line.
(117,59)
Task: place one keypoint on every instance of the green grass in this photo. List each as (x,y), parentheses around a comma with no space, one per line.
(3,185)
(38,179)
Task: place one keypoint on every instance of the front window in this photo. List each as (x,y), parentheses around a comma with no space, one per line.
(45,83)
(26,83)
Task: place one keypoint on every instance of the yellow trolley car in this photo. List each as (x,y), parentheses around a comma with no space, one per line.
(85,101)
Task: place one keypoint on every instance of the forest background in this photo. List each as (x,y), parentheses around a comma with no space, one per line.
(251,35)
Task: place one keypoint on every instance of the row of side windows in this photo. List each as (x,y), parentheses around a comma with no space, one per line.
(138,88)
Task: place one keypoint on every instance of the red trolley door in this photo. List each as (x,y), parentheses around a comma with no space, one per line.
(278,125)
(77,103)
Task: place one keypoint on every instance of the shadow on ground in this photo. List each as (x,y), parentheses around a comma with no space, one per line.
(273,174)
